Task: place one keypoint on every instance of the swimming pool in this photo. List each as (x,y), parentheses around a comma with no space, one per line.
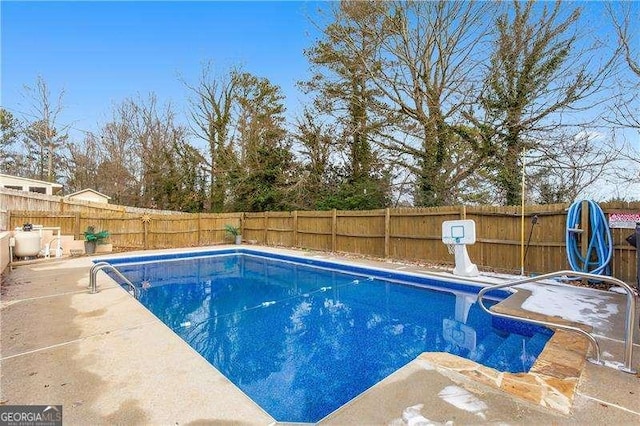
(302,336)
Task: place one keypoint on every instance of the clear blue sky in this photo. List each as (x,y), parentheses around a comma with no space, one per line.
(103,52)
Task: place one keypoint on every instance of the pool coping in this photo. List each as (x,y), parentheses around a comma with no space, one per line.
(552,380)
(550,383)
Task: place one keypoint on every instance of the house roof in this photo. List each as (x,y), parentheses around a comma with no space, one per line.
(84,191)
(27,180)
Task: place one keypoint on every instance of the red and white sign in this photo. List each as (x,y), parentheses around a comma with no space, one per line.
(623,220)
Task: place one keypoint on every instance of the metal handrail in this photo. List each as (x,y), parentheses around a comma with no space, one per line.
(629,323)
(93,282)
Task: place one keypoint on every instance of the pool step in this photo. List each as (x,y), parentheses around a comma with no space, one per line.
(484,349)
(512,351)
(506,354)
(536,344)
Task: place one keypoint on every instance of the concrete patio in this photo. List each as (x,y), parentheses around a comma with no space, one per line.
(108,360)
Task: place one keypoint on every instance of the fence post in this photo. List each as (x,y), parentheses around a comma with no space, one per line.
(266,227)
(387,220)
(295,228)
(146,219)
(584,237)
(76,226)
(334,222)
(199,227)
(463,212)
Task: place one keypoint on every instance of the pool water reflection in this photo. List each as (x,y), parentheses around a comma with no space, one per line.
(302,341)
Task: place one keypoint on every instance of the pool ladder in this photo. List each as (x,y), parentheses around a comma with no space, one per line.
(629,323)
(93,282)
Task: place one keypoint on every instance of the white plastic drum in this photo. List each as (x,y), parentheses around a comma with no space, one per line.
(27,244)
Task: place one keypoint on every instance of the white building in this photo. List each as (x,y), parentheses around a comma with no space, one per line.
(29,185)
(89,194)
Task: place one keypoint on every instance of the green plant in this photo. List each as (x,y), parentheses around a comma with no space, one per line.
(231,230)
(91,235)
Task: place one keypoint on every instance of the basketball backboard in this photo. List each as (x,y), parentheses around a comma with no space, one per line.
(459,232)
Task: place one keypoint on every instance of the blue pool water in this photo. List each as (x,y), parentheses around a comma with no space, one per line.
(302,339)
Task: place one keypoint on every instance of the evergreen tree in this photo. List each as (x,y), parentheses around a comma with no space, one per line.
(263,175)
(9,138)
(344,91)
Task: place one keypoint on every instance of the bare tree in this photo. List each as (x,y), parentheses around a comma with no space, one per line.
(144,159)
(120,165)
(316,141)
(537,77)
(422,68)
(211,114)
(626,108)
(47,134)
(154,134)
(560,172)
(83,162)
(624,114)
(629,45)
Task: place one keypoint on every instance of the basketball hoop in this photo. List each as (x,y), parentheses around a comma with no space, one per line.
(451,246)
(456,235)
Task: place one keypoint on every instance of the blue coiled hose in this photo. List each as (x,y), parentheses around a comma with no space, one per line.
(600,250)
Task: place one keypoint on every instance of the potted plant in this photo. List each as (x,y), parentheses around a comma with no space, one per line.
(233,232)
(91,238)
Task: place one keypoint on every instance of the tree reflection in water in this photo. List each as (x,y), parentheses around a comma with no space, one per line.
(300,341)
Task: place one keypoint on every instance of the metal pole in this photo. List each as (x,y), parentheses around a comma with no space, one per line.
(638,255)
(522,215)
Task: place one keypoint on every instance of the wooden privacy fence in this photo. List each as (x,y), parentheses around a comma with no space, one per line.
(416,234)
(403,234)
(129,231)
(13,200)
